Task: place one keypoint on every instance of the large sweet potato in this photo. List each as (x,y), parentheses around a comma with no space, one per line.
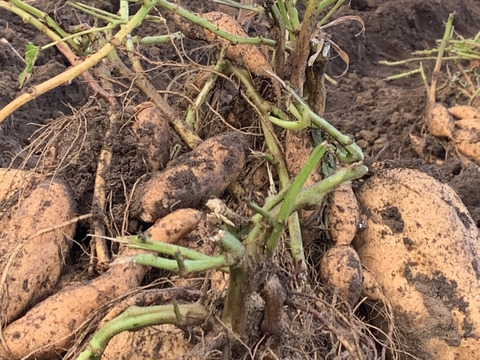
(33,252)
(423,247)
(193,178)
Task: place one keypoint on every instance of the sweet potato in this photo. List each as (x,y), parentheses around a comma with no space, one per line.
(153,342)
(49,327)
(33,254)
(174,226)
(153,134)
(423,247)
(470,150)
(244,54)
(344,215)
(464,112)
(439,121)
(193,178)
(14,184)
(341,271)
(468,124)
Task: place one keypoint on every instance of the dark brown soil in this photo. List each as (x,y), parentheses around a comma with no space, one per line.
(379,114)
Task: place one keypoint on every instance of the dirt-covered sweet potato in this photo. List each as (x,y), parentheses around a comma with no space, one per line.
(344,215)
(193,178)
(422,246)
(34,247)
(244,54)
(470,149)
(174,226)
(341,271)
(153,342)
(49,327)
(153,134)
(14,184)
(439,121)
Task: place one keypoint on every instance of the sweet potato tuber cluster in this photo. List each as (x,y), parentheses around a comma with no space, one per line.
(460,125)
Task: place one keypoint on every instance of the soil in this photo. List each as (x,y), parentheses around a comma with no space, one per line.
(379,114)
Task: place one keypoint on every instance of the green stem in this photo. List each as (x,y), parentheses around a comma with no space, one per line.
(293,17)
(292,194)
(330,13)
(296,243)
(188,266)
(446,35)
(134,242)
(135,318)
(42,16)
(151,40)
(202,96)
(97,13)
(314,194)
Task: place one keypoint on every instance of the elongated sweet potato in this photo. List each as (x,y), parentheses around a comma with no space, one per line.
(193,178)
(423,247)
(243,54)
(468,124)
(174,226)
(464,112)
(49,327)
(153,342)
(33,252)
(344,215)
(470,150)
(153,133)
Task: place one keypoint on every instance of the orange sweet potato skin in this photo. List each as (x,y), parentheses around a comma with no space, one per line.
(33,263)
(193,178)
(174,226)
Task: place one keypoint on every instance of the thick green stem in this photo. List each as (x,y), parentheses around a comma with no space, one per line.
(134,242)
(314,194)
(151,40)
(187,266)
(135,318)
(234,312)
(292,194)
